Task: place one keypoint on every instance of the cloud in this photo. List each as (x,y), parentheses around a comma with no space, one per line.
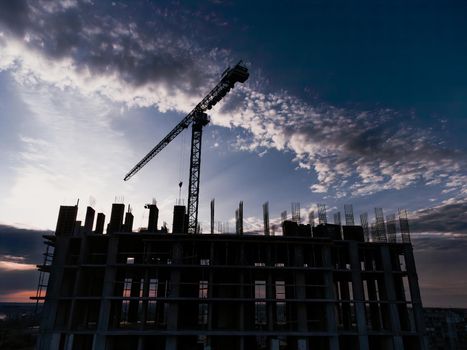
(18,296)
(356,152)
(80,45)
(20,250)
(71,29)
(447,219)
(99,53)
(8,265)
(21,245)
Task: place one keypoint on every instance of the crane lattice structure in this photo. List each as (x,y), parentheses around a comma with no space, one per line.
(198,119)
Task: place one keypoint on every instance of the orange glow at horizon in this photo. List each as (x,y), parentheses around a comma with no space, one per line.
(20,296)
(15,266)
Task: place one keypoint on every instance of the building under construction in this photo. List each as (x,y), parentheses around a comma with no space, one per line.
(329,286)
(325,286)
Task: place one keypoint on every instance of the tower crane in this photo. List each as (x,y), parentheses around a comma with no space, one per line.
(198,119)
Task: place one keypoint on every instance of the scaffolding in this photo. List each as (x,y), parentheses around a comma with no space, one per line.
(44,273)
(322,215)
(391,228)
(296,212)
(404,226)
(364,224)
(380,226)
(349,218)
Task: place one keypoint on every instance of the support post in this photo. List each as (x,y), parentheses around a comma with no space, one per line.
(212,216)
(266,218)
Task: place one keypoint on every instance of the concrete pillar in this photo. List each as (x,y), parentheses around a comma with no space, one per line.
(172,317)
(391,295)
(49,340)
(78,280)
(300,291)
(69,342)
(241,313)
(270,292)
(99,341)
(331,326)
(134,293)
(210,291)
(144,315)
(241,325)
(358,295)
(140,343)
(417,306)
(346,311)
(89,221)
(372,296)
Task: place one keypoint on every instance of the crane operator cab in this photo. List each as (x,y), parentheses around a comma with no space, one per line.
(239,73)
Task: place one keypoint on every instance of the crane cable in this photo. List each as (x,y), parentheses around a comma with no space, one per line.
(181,165)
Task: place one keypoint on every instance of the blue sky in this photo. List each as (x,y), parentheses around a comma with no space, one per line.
(361,103)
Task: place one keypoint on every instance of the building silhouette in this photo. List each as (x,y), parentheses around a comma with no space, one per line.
(329,286)
(446,328)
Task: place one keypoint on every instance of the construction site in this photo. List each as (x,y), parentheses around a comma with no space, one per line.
(296,284)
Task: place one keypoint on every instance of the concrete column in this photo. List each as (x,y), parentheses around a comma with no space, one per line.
(270,292)
(358,295)
(78,280)
(147,277)
(372,296)
(330,295)
(241,313)
(391,294)
(140,343)
(346,311)
(300,291)
(172,316)
(145,302)
(55,341)
(69,342)
(49,340)
(99,341)
(417,306)
(210,289)
(135,291)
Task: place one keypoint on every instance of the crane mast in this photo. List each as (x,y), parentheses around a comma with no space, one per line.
(198,119)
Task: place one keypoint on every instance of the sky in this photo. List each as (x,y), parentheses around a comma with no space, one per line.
(359,103)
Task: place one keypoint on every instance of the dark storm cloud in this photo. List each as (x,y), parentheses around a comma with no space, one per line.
(449,218)
(14,15)
(24,247)
(92,36)
(23,243)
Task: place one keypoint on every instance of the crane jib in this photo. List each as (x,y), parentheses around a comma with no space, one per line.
(161,145)
(198,119)
(239,73)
